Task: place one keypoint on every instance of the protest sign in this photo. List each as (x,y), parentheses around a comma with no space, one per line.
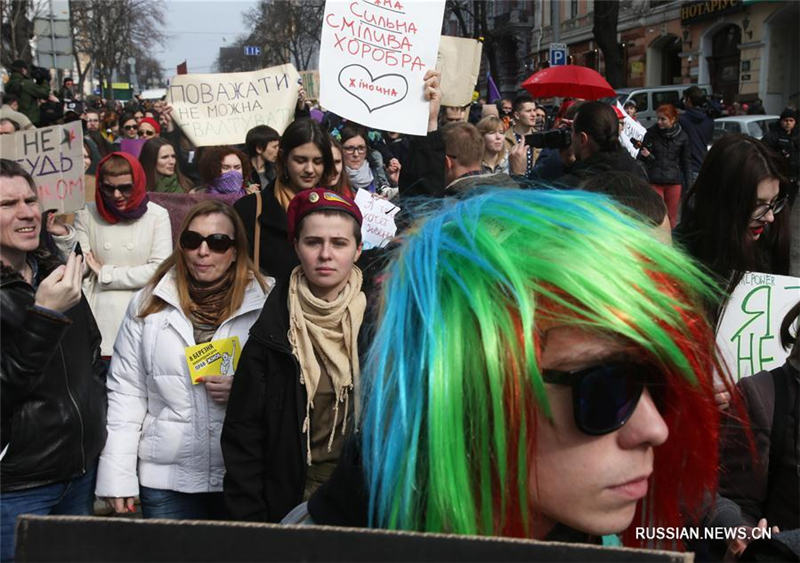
(310,80)
(748,334)
(459,62)
(631,129)
(378,226)
(219,109)
(54,157)
(373,56)
(218,357)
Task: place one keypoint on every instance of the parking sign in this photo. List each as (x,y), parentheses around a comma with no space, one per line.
(558,54)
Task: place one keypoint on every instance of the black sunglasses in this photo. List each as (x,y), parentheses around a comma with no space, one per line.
(129,127)
(191,240)
(124,189)
(605,396)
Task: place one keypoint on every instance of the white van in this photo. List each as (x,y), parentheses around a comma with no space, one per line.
(648,99)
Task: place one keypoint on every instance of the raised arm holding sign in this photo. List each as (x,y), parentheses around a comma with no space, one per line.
(373,56)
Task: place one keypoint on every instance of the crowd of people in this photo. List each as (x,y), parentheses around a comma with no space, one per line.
(533,355)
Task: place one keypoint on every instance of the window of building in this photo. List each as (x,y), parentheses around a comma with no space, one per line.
(573,9)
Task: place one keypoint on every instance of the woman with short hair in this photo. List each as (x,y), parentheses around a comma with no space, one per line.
(495,154)
(225,170)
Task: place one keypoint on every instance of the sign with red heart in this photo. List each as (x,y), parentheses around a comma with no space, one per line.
(373,56)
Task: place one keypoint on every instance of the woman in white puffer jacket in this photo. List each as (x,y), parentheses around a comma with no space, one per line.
(164,431)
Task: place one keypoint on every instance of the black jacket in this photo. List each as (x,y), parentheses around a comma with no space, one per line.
(262,438)
(786,145)
(53,387)
(700,129)
(670,156)
(277,257)
(618,160)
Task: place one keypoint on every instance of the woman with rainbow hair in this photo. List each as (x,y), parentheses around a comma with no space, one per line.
(541,368)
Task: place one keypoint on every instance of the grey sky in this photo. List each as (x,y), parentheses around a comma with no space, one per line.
(197,30)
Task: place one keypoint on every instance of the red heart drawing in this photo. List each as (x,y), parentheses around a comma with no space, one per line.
(374,93)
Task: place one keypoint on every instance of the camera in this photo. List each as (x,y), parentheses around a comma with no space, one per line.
(40,74)
(552,139)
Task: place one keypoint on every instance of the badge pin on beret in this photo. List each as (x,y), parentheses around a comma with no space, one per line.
(313,197)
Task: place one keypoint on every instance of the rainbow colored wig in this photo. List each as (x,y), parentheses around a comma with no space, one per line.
(452,378)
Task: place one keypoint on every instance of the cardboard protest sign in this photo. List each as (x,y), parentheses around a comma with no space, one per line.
(219,109)
(310,80)
(748,334)
(459,62)
(54,157)
(378,227)
(631,129)
(373,55)
(218,357)
(94,538)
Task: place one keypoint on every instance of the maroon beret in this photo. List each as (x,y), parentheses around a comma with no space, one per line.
(319,199)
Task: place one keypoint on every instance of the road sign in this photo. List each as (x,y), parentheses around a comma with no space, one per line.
(252,51)
(558,54)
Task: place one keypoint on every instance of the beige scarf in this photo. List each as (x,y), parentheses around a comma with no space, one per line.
(328,331)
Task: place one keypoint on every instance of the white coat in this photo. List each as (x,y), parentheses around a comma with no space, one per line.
(163,431)
(130,251)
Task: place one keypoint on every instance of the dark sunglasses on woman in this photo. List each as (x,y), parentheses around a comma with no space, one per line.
(124,189)
(146,133)
(605,396)
(218,242)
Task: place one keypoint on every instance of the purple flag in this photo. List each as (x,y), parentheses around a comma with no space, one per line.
(132,146)
(494,93)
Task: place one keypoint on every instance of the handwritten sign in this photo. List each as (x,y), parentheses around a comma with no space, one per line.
(373,56)
(218,357)
(219,109)
(378,227)
(459,62)
(310,80)
(54,157)
(631,129)
(748,335)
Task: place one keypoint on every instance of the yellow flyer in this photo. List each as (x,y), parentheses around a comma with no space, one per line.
(218,357)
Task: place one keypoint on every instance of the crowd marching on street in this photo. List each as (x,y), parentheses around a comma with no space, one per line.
(531,355)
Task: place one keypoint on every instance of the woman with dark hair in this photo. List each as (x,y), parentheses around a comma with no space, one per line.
(124,237)
(304,351)
(731,218)
(667,158)
(304,161)
(161,169)
(164,425)
(225,170)
(363,174)
(338,180)
(129,126)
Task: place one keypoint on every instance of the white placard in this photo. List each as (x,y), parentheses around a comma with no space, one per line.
(631,129)
(54,157)
(373,55)
(378,227)
(748,335)
(219,109)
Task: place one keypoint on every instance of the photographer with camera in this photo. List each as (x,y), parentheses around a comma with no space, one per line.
(29,88)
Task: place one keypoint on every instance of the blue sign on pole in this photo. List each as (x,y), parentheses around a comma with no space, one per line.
(252,51)
(558,54)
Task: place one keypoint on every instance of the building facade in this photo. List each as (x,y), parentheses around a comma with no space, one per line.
(741,49)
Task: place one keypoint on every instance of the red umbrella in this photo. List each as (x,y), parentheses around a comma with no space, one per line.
(571,81)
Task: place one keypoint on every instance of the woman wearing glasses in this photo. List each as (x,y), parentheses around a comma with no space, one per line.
(733,218)
(164,429)
(362,173)
(148,128)
(123,236)
(130,128)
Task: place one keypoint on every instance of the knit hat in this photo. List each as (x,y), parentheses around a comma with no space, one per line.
(319,199)
(789,112)
(153,123)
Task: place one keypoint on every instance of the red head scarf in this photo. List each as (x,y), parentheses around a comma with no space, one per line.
(137,203)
